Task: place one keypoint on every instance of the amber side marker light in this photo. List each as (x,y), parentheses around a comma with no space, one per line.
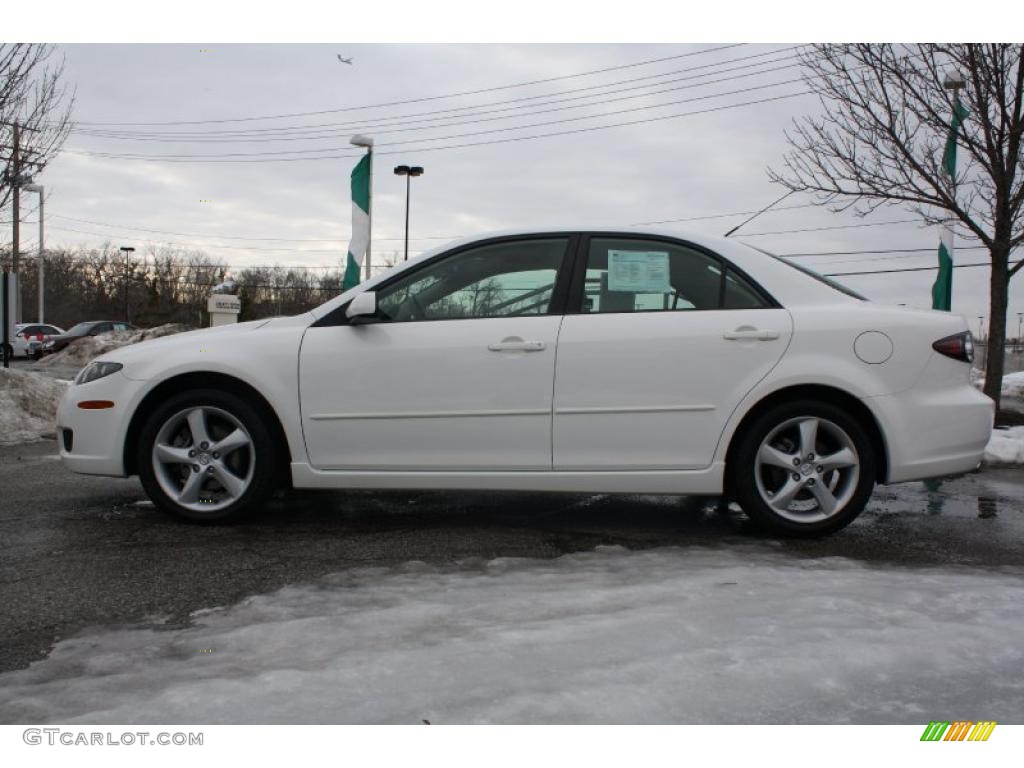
(95,405)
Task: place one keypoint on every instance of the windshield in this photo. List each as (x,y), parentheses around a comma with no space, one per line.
(811,273)
(80,329)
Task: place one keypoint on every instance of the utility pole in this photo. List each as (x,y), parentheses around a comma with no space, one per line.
(16,179)
(16,210)
(127,250)
(42,212)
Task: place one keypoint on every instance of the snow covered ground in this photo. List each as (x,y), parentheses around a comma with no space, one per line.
(28,405)
(29,396)
(752,633)
(1006,446)
(82,351)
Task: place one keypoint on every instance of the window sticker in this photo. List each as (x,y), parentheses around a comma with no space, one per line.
(638,271)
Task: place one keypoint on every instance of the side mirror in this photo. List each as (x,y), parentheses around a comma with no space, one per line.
(362,309)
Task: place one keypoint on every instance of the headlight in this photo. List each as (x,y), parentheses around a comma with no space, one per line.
(96,370)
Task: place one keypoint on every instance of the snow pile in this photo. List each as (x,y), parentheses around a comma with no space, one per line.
(1006,446)
(749,634)
(28,405)
(1012,392)
(83,350)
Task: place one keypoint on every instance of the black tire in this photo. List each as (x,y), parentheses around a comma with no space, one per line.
(743,470)
(263,455)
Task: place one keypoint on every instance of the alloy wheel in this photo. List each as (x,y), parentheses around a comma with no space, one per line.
(807,469)
(203,458)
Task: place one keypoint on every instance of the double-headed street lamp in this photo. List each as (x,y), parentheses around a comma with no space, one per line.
(409,171)
(127,250)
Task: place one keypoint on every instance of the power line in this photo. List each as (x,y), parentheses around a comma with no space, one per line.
(904,269)
(421,99)
(300,132)
(824,229)
(542,124)
(215,159)
(341,241)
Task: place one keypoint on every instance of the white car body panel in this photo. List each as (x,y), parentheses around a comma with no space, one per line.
(653,390)
(641,402)
(429,395)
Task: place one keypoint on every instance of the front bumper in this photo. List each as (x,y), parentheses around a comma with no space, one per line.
(97,447)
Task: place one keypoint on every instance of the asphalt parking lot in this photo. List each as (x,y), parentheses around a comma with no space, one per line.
(77,551)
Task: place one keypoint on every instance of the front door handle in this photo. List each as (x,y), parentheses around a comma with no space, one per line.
(750,334)
(516,344)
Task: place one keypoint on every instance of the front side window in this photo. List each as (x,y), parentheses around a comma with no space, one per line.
(634,275)
(505,279)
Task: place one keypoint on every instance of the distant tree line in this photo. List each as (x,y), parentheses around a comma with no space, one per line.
(160,285)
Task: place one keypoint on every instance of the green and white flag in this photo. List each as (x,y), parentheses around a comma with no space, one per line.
(360,241)
(942,290)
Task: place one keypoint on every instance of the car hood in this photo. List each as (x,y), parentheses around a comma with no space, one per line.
(150,348)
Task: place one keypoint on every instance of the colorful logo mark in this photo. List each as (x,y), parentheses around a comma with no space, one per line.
(958,730)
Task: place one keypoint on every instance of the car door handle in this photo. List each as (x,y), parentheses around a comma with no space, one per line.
(515,344)
(750,334)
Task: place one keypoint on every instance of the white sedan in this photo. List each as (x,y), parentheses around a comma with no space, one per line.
(623,361)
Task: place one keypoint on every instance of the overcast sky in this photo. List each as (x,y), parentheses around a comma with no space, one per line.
(680,167)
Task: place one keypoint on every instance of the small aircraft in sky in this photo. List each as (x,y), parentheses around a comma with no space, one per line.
(343,60)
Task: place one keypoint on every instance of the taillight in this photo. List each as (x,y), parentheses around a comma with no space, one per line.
(959,346)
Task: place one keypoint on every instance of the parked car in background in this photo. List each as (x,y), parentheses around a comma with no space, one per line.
(26,333)
(684,365)
(80,331)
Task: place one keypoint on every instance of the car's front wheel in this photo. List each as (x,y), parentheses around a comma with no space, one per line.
(803,469)
(206,456)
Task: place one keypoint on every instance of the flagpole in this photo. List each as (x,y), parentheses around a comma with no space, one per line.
(369,211)
(942,290)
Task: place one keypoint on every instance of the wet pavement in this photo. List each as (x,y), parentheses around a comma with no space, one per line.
(78,551)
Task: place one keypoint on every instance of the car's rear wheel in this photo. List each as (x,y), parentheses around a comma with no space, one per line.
(206,456)
(805,468)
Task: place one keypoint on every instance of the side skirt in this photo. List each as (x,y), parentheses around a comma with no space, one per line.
(706,481)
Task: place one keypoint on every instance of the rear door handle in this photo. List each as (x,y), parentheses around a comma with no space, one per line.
(516,344)
(750,334)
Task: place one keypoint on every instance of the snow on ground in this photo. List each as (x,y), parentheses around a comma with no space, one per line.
(28,400)
(1011,393)
(745,634)
(28,405)
(88,348)
(1006,446)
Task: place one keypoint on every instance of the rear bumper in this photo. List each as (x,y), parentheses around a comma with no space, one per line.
(934,432)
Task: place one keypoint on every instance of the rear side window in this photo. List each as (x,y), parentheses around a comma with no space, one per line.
(634,275)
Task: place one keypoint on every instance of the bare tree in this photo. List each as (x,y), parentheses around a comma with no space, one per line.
(34,95)
(879,140)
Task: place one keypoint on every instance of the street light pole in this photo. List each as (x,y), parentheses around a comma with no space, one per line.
(980,318)
(128,251)
(409,172)
(42,201)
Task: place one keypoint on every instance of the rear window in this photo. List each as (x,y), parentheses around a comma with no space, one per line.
(811,273)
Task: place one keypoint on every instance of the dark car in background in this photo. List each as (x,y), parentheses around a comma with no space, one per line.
(80,331)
